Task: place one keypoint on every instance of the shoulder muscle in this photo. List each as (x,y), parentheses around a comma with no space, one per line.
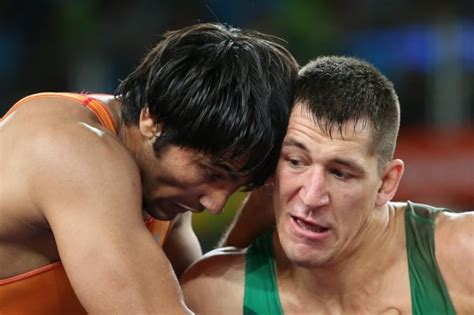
(454,239)
(215,283)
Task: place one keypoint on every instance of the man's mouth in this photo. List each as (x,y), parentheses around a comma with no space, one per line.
(310,226)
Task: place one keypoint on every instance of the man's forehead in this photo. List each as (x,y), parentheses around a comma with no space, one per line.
(228,160)
(327,150)
(350,129)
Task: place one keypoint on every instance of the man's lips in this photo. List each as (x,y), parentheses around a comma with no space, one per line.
(309,225)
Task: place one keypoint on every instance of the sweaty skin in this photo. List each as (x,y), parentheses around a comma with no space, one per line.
(339,244)
(70,188)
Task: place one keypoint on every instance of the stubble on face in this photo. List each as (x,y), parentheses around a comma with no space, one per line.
(177,181)
(345,166)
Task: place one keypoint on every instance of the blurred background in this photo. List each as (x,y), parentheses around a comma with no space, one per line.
(425,47)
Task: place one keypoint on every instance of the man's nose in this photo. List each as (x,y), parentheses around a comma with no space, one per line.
(215,199)
(313,191)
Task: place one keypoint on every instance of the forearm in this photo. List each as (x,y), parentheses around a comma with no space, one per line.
(255,216)
(122,277)
(182,247)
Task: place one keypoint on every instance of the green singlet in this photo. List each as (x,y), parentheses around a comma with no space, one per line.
(429,294)
(261,289)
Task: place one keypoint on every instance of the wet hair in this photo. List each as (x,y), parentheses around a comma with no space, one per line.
(337,90)
(219,90)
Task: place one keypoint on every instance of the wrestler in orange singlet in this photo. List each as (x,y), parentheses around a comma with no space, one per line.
(203,115)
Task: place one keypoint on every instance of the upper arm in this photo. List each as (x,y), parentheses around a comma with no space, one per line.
(88,188)
(454,239)
(215,283)
(182,246)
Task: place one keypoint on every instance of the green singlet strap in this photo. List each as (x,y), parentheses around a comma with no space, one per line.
(429,294)
(261,290)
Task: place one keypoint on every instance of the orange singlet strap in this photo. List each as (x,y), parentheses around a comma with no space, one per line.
(100,110)
(159,229)
(31,273)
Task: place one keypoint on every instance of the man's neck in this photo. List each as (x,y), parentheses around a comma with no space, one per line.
(360,272)
(129,134)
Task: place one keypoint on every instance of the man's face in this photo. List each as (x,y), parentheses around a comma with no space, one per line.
(181,180)
(325,190)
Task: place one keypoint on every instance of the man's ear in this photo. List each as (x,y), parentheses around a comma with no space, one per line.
(149,127)
(391,176)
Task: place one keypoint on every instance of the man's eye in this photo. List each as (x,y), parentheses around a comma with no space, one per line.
(213,175)
(340,174)
(294,162)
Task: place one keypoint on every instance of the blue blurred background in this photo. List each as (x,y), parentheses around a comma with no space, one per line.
(425,47)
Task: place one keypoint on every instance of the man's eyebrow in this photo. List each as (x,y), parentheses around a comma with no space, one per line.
(346,162)
(229,170)
(224,166)
(293,143)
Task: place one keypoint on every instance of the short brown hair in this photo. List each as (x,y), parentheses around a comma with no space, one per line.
(339,89)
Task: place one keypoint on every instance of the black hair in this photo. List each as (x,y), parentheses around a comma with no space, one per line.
(340,89)
(219,90)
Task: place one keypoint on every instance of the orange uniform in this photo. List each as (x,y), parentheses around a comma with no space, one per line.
(47,290)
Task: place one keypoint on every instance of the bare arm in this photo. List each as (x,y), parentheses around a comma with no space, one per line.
(88,188)
(182,247)
(454,241)
(215,283)
(255,216)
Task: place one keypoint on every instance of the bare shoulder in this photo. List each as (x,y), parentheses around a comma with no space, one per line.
(60,132)
(62,150)
(215,283)
(226,262)
(454,233)
(75,159)
(454,242)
